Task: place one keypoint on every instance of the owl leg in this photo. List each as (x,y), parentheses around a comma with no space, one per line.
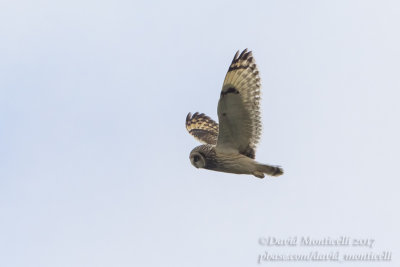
(258,174)
(268,169)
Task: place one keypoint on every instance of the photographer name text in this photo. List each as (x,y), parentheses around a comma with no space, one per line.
(306,241)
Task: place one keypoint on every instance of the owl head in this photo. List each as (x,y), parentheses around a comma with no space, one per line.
(202,156)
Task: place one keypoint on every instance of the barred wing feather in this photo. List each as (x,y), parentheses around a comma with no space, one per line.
(239,107)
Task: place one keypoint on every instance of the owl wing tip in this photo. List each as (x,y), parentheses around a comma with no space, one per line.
(202,127)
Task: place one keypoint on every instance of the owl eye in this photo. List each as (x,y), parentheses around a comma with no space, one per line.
(196,158)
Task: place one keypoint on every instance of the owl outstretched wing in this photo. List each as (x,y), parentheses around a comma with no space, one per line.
(239,107)
(202,127)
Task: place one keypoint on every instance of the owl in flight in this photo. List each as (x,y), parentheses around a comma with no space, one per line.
(230,146)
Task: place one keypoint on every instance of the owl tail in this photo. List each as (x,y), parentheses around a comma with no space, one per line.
(267,169)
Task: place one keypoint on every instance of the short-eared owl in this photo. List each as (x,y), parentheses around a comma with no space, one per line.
(230,146)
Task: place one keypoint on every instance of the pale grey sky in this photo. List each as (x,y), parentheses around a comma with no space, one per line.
(94,167)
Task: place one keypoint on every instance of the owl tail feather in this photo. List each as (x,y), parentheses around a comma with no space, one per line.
(267,169)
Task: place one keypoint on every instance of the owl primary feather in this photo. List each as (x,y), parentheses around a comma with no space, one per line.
(230,146)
